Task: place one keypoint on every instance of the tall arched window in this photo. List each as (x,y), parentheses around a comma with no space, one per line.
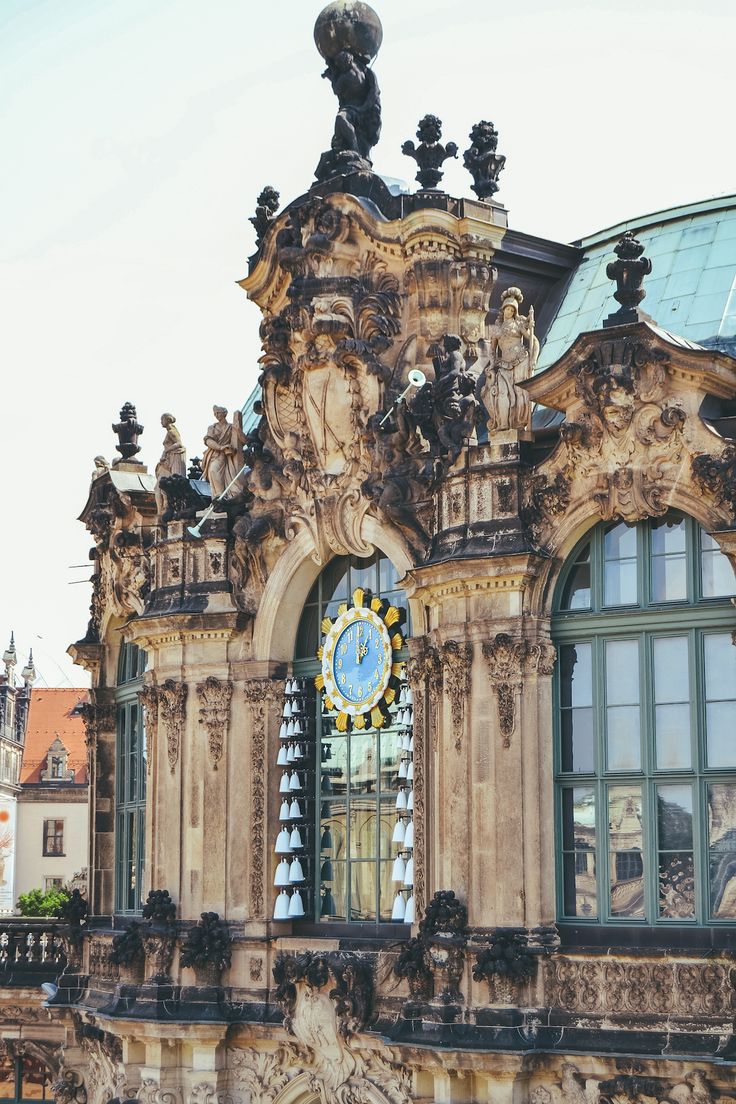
(645,756)
(130,781)
(358,777)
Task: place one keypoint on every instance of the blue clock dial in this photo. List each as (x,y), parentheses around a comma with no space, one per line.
(359,662)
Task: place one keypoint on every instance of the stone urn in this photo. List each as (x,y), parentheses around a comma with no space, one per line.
(159,947)
(447,953)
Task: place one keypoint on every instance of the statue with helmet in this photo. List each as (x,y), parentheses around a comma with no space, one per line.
(506,358)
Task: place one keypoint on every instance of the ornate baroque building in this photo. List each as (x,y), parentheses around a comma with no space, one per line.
(413,772)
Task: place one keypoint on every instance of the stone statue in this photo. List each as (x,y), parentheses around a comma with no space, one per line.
(507,358)
(173,459)
(454,398)
(348,35)
(267,205)
(101,466)
(223,455)
(430,154)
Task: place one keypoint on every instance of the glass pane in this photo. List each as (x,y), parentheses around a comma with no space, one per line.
(625,844)
(716,574)
(669,578)
(578,862)
(675,817)
(578,752)
(362,891)
(577,589)
(720,689)
(576,674)
(333,904)
(363,763)
(722,844)
(36,1081)
(623,737)
(620,583)
(363,825)
(7,1077)
(389,760)
(387,891)
(671,669)
(363,573)
(668,536)
(622,672)
(676,886)
(619,542)
(335,581)
(672,723)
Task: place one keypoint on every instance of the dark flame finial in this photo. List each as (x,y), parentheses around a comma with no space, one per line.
(628,271)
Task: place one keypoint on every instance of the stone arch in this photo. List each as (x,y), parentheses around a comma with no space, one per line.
(288,586)
(581,517)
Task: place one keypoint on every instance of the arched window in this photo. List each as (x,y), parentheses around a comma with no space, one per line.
(645,755)
(358,776)
(130,781)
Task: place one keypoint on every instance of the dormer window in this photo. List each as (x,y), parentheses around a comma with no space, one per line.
(56,764)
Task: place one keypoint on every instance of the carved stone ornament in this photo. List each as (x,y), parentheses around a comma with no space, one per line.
(457,658)
(716,475)
(573,1085)
(628,270)
(172,698)
(267,205)
(430,154)
(260,695)
(482,161)
(419,669)
(214,713)
(350,981)
(128,430)
(149,699)
(624,434)
(509,660)
(100,1066)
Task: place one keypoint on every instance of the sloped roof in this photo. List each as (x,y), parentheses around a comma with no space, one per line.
(51,714)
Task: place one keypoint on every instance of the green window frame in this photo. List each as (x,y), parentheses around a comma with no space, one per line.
(355,787)
(130,782)
(645,713)
(23,1078)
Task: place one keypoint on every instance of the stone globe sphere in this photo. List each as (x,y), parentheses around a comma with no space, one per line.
(348,25)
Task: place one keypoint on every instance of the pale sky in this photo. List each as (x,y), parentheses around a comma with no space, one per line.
(136,134)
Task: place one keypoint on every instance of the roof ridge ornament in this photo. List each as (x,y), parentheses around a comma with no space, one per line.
(482,161)
(430,154)
(628,271)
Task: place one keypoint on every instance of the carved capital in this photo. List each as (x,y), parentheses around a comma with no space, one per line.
(509,661)
(149,699)
(172,698)
(214,713)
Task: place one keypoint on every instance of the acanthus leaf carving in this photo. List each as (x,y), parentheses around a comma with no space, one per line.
(260,695)
(172,698)
(716,475)
(457,657)
(149,699)
(214,713)
(509,660)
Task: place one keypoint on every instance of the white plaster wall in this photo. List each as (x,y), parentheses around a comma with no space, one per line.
(31,864)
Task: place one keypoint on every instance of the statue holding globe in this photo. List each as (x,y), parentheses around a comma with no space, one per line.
(348,35)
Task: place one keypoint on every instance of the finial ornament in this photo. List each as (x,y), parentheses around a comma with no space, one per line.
(482,161)
(348,35)
(430,154)
(128,430)
(10,657)
(628,271)
(267,205)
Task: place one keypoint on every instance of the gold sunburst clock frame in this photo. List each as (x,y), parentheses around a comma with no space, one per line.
(387,620)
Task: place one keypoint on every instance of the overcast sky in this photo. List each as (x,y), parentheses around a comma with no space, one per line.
(136,134)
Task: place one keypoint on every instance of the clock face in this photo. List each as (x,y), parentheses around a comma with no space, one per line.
(356,661)
(360,668)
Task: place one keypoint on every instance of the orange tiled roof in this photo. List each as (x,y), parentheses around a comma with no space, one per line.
(51,714)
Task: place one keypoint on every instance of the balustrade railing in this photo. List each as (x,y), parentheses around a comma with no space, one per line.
(31,951)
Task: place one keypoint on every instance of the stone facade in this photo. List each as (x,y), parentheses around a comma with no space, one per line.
(358,288)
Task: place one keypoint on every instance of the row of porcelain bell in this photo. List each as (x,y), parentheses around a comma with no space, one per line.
(406,695)
(404,834)
(404,717)
(406,769)
(287,907)
(290,753)
(291,728)
(403,909)
(405,800)
(292,709)
(295,686)
(403,870)
(287,873)
(288,841)
(406,742)
(291,811)
(290,782)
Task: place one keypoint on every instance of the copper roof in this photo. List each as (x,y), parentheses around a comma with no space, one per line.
(52,713)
